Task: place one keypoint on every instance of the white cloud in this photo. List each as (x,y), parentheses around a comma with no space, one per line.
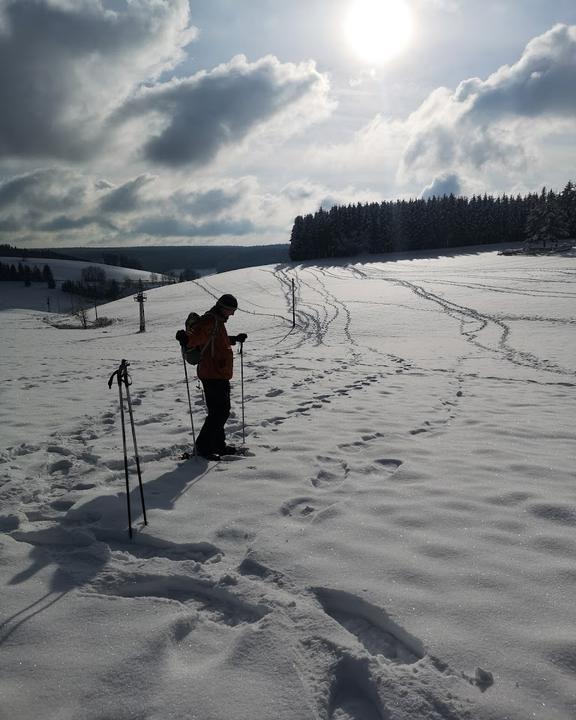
(370,158)
(446,5)
(540,84)
(497,123)
(444,184)
(506,131)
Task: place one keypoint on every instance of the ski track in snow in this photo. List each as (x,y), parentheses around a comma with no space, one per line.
(68,504)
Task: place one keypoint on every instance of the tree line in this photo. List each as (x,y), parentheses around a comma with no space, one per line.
(437,222)
(95,285)
(26,274)
(122,260)
(7,250)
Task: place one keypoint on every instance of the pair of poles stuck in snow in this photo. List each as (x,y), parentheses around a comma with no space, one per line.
(123,380)
(241,392)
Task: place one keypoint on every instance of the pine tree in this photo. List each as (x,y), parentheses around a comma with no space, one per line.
(48,277)
(546,224)
(568,203)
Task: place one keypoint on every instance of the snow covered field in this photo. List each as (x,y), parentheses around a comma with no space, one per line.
(39,297)
(404,525)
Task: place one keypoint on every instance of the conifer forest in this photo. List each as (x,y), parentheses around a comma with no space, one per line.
(435,222)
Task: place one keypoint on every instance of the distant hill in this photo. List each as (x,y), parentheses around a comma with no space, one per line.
(40,297)
(163,258)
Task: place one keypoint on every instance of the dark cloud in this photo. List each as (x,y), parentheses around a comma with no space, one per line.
(214,109)
(63,223)
(65,66)
(297,192)
(125,198)
(67,204)
(171,227)
(104,185)
(211,202)
(51,189)
(9,225)
(445,184)
(67,69)
(11,191)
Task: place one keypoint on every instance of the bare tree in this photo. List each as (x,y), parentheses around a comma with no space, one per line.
(82,315)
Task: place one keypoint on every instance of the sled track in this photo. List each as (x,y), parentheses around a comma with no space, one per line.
(340,306)
(463,313)
(508,290)
(308,321)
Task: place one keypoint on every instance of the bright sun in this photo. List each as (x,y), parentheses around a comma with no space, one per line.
(377,30)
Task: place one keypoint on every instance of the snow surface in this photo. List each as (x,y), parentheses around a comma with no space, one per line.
(401,533)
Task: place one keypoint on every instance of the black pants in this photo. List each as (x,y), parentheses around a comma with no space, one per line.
(212,438)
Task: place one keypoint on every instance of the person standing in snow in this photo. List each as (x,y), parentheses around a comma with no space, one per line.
(215,370)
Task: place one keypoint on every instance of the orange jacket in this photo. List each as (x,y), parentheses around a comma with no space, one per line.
(217,361)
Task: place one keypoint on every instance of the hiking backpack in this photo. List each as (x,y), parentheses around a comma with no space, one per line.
(193,355)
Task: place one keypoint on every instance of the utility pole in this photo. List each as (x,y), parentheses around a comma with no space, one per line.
(140,298)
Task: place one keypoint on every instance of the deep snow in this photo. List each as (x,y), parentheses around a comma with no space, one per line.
(403,525)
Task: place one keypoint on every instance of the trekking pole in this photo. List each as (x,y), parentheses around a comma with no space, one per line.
(189,400)
(242,391)
(128,382)
(118,375)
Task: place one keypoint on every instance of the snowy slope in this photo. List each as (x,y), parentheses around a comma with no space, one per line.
(72,269)
(39,297)
(406,515)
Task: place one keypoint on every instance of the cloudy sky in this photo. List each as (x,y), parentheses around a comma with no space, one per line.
(128,122)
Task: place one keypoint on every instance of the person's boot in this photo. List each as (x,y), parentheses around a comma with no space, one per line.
(229,450)
(207,454)
(210,456)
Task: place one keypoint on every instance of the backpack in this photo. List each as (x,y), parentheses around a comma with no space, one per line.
(193,355)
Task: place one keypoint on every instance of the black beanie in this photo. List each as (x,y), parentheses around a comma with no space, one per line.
(228,301)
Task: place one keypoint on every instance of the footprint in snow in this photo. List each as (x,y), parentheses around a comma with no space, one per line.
(60,466)
(371,626)
(372,436)
(388,463)
(332,471)
(210,600)
(274,393)
(428,426)
(353,695)
(556,513)
(145,547)
(307,508)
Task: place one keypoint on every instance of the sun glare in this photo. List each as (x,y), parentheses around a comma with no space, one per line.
(377,30)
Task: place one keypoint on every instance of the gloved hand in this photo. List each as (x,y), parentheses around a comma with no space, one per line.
(182,338)
(241,338)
